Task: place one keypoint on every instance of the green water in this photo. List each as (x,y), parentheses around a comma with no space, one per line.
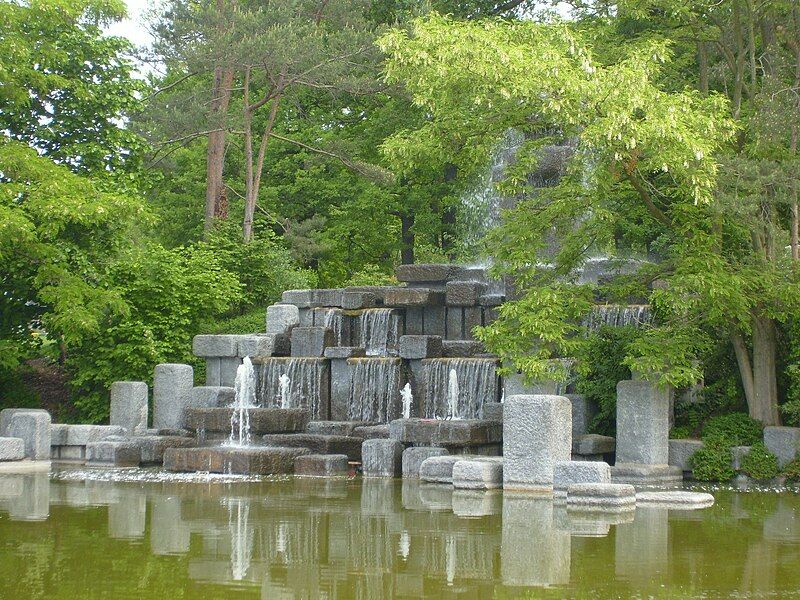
(72,536)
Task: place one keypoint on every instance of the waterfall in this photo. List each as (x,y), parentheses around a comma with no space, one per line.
(245,396)
(617,315)
(482,204)
(477,383)
(379,330)
(241,537)
(294,383)
(333,319)
(373,389)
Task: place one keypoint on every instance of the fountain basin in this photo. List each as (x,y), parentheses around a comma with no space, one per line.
(247,460)
(435,432)
(262,420)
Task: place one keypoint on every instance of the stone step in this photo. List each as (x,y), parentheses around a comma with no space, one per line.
(262,420)
(251,460)
(317,443)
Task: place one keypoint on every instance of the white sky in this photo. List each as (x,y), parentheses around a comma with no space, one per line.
(133,27)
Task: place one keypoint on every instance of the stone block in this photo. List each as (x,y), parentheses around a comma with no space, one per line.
(583,413)
(567,473)
(172,384)
(372,432)
(493,411)
(317,443)
(737,454)
(333,427)
(11,449)
(414,457)
(382,458)
(434,321)
(478,474)
(358,300)
(129,407)
(321,465)
(473,317)
(415,320)
(262,420)
(281,318)
(81,435)
(341,382)
(783,442)
(455,323)
(462,348)
(298,298)
(438,469)
(7,413)
(215,345)
(311,341)
(675,499)
(213,371)
(426,273)
(33,428)
(344,352)
(152,447)
(402,297)
(252,460)
(642,423)
(593,444)
(646,475)
(116,454)
(537,433)
(209,396)
(420,346)
(263,344)
(227,370)
(464,293)
(601,496)
(328,298)
(681,451)
(491,300)
(434,432)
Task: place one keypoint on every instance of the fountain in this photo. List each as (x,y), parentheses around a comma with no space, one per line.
(245,390)
(452,394)
(284,384)
(408,399)
(295,382)
(379,331)
(459,387)
(373,389)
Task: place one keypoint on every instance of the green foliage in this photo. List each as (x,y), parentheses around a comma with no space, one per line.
(760,463)
(370,275)
(601,368)
(681,432)
(734,429)
(792,470)
(712,462)
(252,321)
(791,413)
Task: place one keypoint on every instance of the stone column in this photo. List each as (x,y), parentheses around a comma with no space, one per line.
(642,423)
(537,433)
(172,384)
(32,427)
(129,406)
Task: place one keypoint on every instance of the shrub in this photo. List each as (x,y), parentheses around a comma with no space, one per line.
(760,463)
(734,429)
(791,413)
(680,433)
(253,321)
(712,462)
(792,470)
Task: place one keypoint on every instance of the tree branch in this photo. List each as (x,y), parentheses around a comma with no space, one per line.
(654,211)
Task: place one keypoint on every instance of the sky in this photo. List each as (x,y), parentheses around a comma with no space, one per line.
(133,27)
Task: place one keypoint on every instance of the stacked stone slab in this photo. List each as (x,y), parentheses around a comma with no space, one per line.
(68,443)
(321,465)
(462,436)
(537,434)
(601,496)
(643,435)
(478,474)
(172,386)
(221,353)
(341,378)
(129,408)
(592,447)
(568,473)
(11,449)
(414,457)
(31,426)
(382,458)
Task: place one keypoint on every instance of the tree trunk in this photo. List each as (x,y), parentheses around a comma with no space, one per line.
(407,238)
(759,378)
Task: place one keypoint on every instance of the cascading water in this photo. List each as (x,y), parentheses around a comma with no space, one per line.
(244,399)
(617,315)
(477,384)
(373,389)
(379,331)
(452,394)
(333,319)
(293,383)
(408,399)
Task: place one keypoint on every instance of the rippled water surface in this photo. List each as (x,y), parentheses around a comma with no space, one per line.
(141,534)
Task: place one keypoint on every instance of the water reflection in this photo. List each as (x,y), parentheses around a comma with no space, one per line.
(380,539)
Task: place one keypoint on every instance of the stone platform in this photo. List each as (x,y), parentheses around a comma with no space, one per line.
(642,475)
(210,421)
(317,443)
(456,433)
(251,460)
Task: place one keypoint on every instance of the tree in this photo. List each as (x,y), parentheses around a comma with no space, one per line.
(644,155)
(65,88)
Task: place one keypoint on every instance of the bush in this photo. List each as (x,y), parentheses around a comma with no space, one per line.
(253,321)
(680,433)
(760,463)
(791,413)
(734,429)
(792,470)
(712,462)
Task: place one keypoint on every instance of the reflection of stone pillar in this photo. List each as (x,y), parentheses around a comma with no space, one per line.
(533,551)
(378,497)
(760,569)
(168,533)
(642,550)
(126,516)
(33,504)
(783,525)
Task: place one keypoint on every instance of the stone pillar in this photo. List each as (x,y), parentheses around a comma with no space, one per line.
(533,551)
(172,384)
(341,379)
(537,433)
(382,458)
(642,423)
(129,406)
(33,428)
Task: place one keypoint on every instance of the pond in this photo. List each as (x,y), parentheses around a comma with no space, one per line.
(145,534)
